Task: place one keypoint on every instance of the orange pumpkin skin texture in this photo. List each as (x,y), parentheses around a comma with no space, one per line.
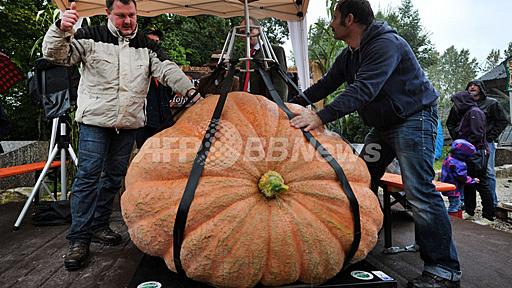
(235,235)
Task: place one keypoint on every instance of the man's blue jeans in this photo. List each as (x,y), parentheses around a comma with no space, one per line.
(491,173)
(454,204)
(103,156)
(412,143)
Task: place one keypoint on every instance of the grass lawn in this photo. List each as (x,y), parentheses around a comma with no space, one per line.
(439,162)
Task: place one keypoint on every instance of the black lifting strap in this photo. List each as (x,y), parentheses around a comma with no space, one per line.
(197,171)
(214,75)
(354,205)
(276,67)
(282,74)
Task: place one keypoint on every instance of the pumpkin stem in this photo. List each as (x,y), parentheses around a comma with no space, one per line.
(271,184)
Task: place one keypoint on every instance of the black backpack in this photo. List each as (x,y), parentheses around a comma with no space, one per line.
(53,86)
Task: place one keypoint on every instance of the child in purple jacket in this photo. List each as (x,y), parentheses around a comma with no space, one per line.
(455,171)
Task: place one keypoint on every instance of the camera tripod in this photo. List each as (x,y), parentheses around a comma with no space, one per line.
(57,143)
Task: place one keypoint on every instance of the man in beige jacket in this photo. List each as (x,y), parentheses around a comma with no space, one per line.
(117,64)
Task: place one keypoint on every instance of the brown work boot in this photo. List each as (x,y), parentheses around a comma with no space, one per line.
(78,253)
(428,280)
(107,237)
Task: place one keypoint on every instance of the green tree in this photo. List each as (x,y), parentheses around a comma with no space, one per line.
(407,22)
(188,40)
(191,40)
(276,30)
(508,52)
(453,71)
(492,60)
(323,48)
(18,33)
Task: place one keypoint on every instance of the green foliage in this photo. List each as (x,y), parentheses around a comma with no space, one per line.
(44,19)
(323,48)
(18,33)
(438,164)
(181,36)
(188,40)
(354,130)
(508,52)
(276,30)
(451,74)
(191,40)
(492,60)
(453,71)
(407,22)
(351,127)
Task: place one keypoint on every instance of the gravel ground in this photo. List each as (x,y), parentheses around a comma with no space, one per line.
(504,192)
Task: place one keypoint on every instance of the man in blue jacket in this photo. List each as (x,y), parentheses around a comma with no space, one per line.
(387,87)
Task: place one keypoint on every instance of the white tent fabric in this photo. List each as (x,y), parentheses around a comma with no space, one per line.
(299,38)
(293,11)
(288,10)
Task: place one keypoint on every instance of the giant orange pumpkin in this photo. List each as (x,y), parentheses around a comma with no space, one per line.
(267,208)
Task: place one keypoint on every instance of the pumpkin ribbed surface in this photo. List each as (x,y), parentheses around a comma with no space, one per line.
(236,236)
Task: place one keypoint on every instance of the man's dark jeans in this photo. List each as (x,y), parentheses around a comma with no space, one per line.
(103,156)
(412,143)
(477,168)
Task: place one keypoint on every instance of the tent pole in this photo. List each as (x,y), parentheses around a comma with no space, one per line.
(247,35)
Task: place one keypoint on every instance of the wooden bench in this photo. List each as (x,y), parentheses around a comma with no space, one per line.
(392,185)
(25,168)
(29,168)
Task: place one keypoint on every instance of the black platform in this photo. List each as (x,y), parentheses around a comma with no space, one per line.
(154,269)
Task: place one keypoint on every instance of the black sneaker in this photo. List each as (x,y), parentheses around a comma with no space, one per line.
(107,237)
(428,280)
(76,258)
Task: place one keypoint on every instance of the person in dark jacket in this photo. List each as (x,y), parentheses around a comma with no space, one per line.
(387,87)
(496,123)
(472,125)
(158,111)
(472,128)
